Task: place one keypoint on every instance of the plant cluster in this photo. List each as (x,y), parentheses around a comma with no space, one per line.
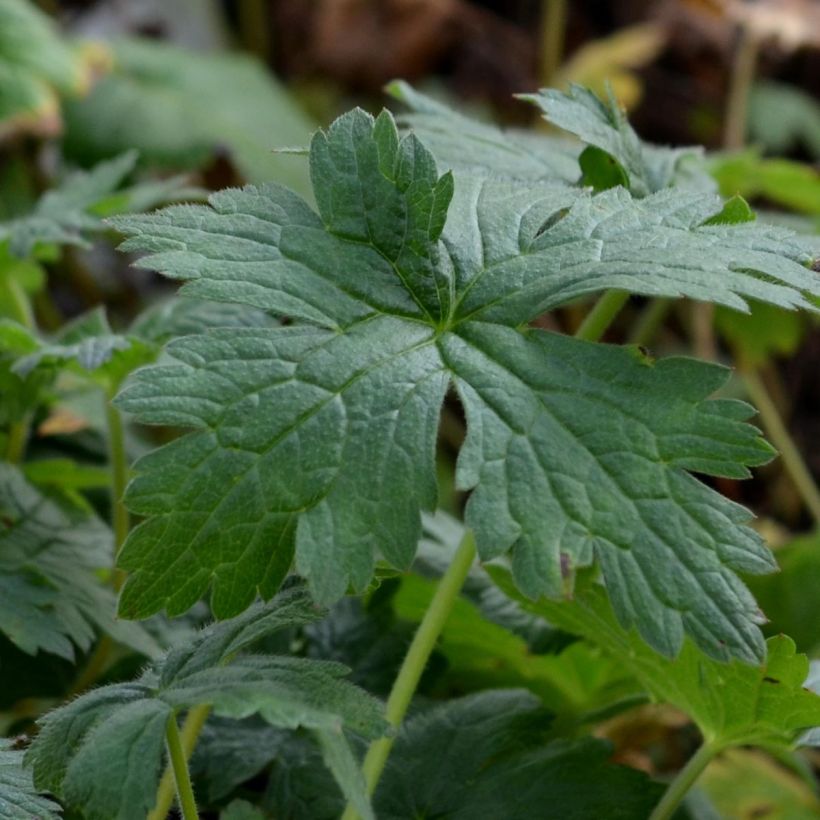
(280,618)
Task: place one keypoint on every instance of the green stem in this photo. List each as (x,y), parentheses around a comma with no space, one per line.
(18,431)
(179,765)
(600,317)
(684,781)
(781,438)
(17,440)
(120,520)
(744,67)
(416,659)
(191,729)
(20,304)
(650,321)
(553,31)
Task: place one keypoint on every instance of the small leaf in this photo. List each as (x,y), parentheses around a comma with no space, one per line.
(50,552)
(108,728)
(600,171)
(735,212)
(649,168)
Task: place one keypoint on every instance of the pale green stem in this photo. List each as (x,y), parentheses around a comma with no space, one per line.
(20,304)
(415,661)
(191,729)
(17,440)
(744,67)
(120,520)
(601,316)
(781,438)
(18,431)
(553,31)
(650,321)
(684,781)
(179,765)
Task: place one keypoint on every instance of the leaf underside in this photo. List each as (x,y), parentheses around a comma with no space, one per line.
(317,440)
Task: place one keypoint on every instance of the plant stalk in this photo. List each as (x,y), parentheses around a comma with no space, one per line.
(781,438)
(650,321)
(553,32)
(416,659)
(744,68)
(189,734)
(684,781)
(120,519)
(179,765)
(601,316)
(18,431)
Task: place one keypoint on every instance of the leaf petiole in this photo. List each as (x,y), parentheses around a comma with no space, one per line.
(179,765)
(684,781)
(416,659)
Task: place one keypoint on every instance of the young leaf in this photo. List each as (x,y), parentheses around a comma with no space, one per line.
(19,800)
(649,168)
(85,750)
(574,450)
(66,214)
(50,551)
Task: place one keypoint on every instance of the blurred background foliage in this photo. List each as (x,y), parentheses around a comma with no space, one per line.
(204,92)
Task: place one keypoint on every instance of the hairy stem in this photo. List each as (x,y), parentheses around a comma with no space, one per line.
(553,30)
(781,438)
(684,781)
(179,765)
(743,74)
(189,734)
(416,659)
(601,316)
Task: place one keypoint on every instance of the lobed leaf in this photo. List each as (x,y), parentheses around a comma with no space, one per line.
(50,551)
(19,800)
(85,750)
(316,441)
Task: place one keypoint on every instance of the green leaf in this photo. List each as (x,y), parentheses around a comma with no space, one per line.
(35,65)
(19,799)
(603,124)
(782,117)
(465,144)
(86,346)
(229,752)
(483,756)
(784,182)
(734,704)
(241,810)
(65,215)
(50,552)
(85,749)
(600,171)
(180,109)
(764,332)
(747,784)
(736,211)
(574,683)
(788,597)
(575,451)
